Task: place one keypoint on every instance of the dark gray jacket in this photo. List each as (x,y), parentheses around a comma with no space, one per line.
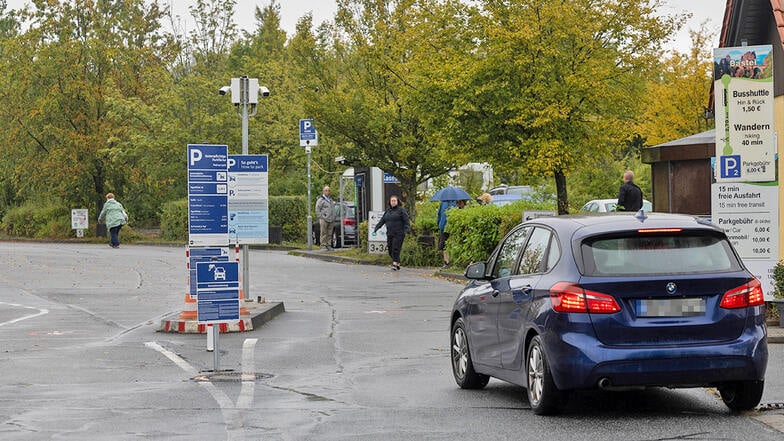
(396,220)
(629,197)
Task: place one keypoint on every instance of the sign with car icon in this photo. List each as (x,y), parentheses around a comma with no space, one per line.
(217,292)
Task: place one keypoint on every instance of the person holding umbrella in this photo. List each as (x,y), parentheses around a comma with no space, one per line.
(443,235)
(398,224)
(449,197)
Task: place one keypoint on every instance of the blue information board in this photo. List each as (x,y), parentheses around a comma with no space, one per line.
(200,255)
(208,191)
(218,290)
(248,199)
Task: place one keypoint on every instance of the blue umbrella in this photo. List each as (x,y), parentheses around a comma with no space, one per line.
(451,193)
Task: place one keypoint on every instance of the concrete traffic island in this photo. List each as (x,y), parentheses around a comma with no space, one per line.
(258,314)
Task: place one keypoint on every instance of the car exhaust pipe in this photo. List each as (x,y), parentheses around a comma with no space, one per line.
(605,383)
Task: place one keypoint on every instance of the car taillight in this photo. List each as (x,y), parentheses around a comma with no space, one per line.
(748,294)
(349,221)
(569,297)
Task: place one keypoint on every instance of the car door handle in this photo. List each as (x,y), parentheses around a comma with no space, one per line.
(495,293)
(527,289)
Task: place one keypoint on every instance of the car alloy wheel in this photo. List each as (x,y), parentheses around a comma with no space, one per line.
(535,375)
(462,366)
(543,395)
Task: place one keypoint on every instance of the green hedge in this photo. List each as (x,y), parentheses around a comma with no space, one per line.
(475,230)
(291,213)
(174,220)
(43,220)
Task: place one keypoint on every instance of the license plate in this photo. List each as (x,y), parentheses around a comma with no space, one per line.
(671,307)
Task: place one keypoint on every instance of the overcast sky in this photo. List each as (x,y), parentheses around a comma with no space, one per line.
(292,10)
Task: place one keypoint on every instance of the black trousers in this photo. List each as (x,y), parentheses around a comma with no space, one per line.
(394,245)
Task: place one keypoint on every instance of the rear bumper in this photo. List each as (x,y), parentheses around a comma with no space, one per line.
(579,361)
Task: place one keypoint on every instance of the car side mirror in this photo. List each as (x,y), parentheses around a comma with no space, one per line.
(476,271)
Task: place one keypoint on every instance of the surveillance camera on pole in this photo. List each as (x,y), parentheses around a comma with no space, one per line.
(244,94)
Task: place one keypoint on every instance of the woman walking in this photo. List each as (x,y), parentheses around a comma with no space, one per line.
(115,217)
(397,222)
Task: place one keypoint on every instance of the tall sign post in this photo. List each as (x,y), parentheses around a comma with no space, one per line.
(308,137)
(245,96)
(744,199)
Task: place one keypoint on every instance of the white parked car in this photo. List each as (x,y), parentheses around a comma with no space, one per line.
(609,205)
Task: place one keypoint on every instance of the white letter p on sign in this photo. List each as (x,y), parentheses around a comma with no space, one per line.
(195,156)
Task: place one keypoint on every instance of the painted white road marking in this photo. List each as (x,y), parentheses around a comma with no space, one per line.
(245,400)
(231,411)
(39,313)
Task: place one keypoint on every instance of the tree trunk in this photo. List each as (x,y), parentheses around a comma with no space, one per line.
(560,188)
(409,188)
(100,229)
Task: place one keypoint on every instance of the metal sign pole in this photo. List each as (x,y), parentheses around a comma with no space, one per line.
(215,347)
(310,218)
(342,215)
(244,93)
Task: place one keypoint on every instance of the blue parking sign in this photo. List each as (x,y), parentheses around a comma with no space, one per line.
(730,166)
(208,195)
(307,133)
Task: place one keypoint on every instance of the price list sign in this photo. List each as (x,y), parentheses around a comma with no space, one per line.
(743,88)
(748,213)
(376,244)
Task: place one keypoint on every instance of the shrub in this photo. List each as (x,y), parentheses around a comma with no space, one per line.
(174,220)
(473,233)
(290,212)
(362,232)
(415,253)
(475,230)
(778,280)
(48,219)
(427,219)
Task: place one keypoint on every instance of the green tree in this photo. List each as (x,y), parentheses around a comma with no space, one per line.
(675,100)
(549,86)
(369,74)
(68,68)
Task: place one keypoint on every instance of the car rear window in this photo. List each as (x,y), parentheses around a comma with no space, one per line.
(651,254)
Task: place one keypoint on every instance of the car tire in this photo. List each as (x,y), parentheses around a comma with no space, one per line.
(742,395)
(462,365)
(543,395)
(335,238)
(315,237)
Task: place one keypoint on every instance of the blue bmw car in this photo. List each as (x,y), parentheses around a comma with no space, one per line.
(615,302)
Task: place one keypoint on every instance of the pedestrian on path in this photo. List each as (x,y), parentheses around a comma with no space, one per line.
(442,220)
(115,217)
(398,224)
(629,195)
(325,210)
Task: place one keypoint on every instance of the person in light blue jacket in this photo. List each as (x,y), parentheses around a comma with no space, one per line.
(114,215)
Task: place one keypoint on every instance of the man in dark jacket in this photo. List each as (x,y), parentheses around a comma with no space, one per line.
(629,195)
